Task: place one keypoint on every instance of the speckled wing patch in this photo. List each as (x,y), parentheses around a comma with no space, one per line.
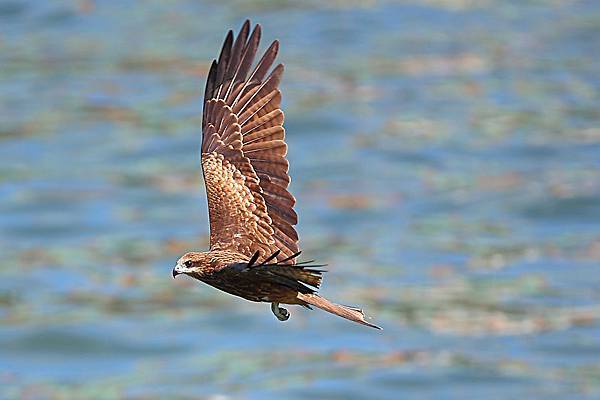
(243,151)
(237,211)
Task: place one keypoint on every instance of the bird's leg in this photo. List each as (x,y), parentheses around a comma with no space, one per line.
(281,313)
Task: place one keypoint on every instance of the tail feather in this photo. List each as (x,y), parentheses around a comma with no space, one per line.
(350,313)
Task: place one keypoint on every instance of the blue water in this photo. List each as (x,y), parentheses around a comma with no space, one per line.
(445,156)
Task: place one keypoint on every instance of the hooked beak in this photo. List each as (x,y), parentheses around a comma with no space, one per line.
(175,272)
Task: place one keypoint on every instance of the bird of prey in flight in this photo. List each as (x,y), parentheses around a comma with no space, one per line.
(253,243)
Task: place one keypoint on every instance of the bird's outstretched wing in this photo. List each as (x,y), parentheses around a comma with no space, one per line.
(243,152)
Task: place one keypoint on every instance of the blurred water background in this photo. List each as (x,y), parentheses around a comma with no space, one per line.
(445,155)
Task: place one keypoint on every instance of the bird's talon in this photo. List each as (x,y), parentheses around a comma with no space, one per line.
(285,314)
(281,313)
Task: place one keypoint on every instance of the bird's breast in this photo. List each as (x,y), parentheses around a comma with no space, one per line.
(250,288)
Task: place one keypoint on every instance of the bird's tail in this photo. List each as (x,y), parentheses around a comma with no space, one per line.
(351,313)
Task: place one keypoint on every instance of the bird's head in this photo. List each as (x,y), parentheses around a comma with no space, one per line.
(193,263)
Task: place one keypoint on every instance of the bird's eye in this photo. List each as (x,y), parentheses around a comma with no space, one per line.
(188,264)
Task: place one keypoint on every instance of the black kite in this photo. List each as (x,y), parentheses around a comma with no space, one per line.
(253,243)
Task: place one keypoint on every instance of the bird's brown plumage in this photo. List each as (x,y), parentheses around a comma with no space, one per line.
(253,243)
(243,152)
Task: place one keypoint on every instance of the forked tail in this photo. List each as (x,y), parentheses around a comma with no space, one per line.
(351,313)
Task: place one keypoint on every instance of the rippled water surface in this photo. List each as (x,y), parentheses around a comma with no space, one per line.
(445,155)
